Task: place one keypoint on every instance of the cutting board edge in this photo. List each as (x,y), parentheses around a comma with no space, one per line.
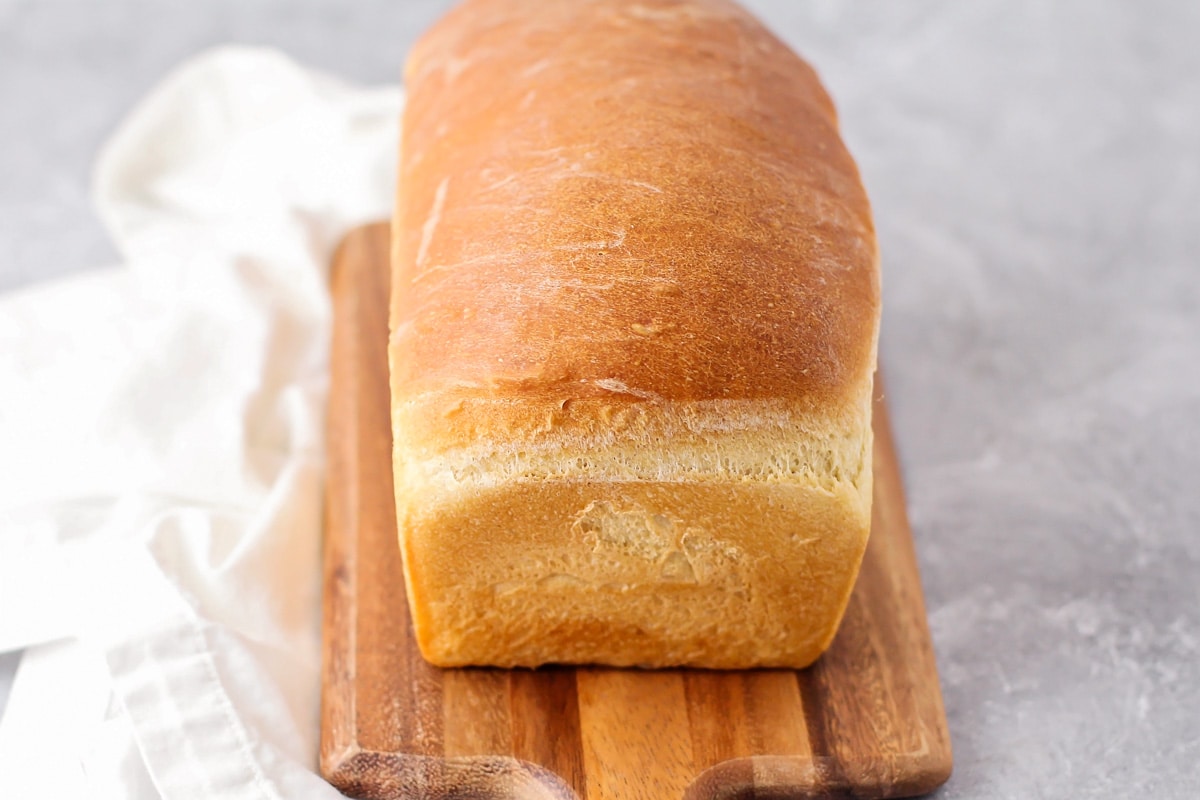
(371,774)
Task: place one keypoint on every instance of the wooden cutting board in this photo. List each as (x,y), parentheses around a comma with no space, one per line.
(865,721)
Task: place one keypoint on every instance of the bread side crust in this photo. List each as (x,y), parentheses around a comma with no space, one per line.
(732,542)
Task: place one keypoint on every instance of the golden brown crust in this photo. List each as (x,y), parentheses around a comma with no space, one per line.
(654,195)
(641,574)
(634,316)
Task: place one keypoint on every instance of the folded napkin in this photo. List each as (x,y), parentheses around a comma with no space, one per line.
(161,453)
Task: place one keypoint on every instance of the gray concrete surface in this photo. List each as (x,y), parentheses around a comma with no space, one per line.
(1035,170)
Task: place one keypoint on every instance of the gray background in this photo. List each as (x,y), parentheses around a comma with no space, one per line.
(1035,171)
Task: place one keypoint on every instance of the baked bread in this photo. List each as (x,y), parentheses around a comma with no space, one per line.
(633,332)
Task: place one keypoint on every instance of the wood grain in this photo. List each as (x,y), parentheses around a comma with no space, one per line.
(865,721)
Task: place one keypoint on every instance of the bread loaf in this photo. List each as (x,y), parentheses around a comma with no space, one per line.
(633,332)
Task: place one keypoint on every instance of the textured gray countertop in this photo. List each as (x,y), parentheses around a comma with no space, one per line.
(1035,171)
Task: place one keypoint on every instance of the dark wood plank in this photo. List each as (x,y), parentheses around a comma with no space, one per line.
(865,721)
(545,700)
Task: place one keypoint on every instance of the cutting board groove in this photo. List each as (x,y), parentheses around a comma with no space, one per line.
(865,721)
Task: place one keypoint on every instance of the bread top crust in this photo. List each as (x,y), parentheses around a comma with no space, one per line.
(643,201)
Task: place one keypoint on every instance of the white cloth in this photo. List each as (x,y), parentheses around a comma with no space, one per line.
(161,445)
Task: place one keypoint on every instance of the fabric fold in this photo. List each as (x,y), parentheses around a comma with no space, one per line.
(167,519)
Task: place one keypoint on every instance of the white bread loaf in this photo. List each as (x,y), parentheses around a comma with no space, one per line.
(634,320)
